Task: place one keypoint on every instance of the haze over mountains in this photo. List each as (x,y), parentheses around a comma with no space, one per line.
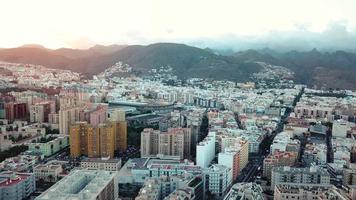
(335,69)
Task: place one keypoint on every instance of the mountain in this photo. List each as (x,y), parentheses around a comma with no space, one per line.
(323,69)
(34,55)
(328,69)
(82,53)
(186,61)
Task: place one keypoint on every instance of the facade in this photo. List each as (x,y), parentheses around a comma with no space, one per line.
(135,171)
(312,175)
(101,164)
(340,128)
(67,117)
(174,142)
(39,112)
(349,175)
(116,115)
(121,135)
(98,116)
(51,147)
(149,142)
(48,173)
(84,184)
(278,159)
(218,180)
(5,143)
(167,187)
(245,191)
(16,186)
(97,141)
(235,157)
(15,110)
(206,150)
(307,192)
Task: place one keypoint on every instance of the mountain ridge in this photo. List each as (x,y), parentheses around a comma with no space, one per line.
(311,67)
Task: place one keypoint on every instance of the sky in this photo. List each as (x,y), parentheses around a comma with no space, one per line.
(205,23)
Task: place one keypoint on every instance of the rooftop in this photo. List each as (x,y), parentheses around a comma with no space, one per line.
(79,184)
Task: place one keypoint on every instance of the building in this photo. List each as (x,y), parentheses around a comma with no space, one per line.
(101,164)
(121,135)
(97,141)
(181,194)
(308,192)
(84,184)
(15,110)
(245,191)
(278,159)
(20,163)
(5,142)
(218,180)
(149,142)
(118,115)
(174,142)
(150,191)
(48,173)
(165,187)
(135,171)
(67,117)
(235,158)
(353,155)
(349,175)
(50,144)
(16,186)
(340,128)
(312,175)
(206,150)
(98,115)
(39,112)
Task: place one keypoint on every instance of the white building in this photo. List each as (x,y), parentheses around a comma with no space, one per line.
(84,184)
(206,150)
(49,173)
(290,175)
(245,191)
(340,128)
(16,186)
(218,179)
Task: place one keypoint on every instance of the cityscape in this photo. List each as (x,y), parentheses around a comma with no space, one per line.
(175,119)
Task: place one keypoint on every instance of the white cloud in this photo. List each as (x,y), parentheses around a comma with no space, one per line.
(80,23)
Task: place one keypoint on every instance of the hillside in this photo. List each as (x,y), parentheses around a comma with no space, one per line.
(328,69)
(186,61)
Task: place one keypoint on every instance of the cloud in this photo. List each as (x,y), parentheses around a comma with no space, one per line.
(335,37)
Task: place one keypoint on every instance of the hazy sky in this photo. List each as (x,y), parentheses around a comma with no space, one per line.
(82,23)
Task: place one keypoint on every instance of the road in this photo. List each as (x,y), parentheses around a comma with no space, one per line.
(255,165)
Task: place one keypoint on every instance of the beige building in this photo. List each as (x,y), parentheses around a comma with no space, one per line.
(48,173)
(149,142)
(39,112)
(67,116)
(278,159)
(101,164)
(174,142)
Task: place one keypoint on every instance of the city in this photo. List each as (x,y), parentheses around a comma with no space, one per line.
(178,100)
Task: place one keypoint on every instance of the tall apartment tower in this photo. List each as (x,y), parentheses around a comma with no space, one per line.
(97,141)
(149,142)
(67,117)
(120,135)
